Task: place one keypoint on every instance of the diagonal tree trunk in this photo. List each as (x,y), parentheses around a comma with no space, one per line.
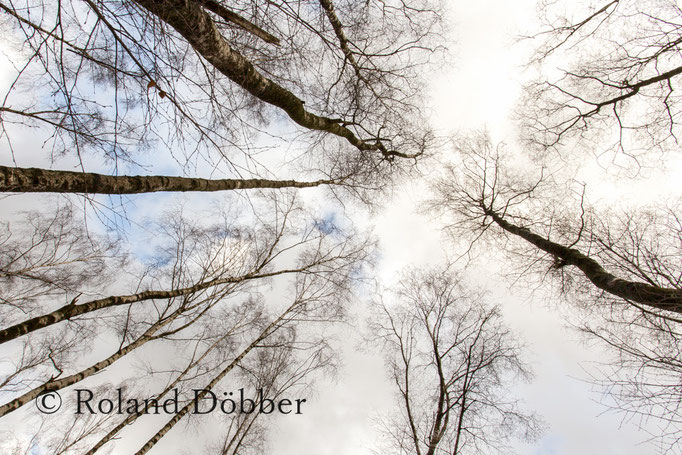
(132,417)
(57,384)
(191,21)
(186,409)
(33,180)
(329,10)
(669,299)
(72,310)
(151,334)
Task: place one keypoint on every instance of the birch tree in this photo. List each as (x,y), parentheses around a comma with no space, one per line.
(210,330)
(201,81)
(618,270)
(451,361)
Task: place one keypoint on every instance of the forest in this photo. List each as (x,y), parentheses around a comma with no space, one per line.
(340,226)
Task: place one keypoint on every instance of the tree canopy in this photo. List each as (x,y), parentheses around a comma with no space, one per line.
(304,119)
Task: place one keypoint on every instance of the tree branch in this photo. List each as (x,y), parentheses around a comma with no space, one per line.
(236,19)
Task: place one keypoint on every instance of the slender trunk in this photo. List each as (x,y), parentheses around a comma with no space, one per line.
(460,422)
(443,410)
(132,417)
(33,180)
(329,10)
(71,310)
(57,384)
(198,396)
(410,417)
(239,435)
(462,409)
(668,299)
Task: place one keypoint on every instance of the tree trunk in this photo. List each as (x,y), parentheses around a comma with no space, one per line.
(176,418)
(32,180)
(57,384)
(190,20)
(132,417)
(71,310)
(668,299)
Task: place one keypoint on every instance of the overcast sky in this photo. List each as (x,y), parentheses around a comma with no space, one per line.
(478,90)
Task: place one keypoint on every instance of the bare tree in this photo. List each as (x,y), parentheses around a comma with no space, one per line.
(211,328)
(609,71)
(311,300)
(211,86)
(281,367)
(202,78)
(607,83)
(52,257)
(481,196)
(619,270)
(452,361)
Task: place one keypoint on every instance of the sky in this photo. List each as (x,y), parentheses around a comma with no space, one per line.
(479,89)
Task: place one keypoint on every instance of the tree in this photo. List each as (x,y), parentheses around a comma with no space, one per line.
(52,258)
(607,83)
(618,269)
(219,89)
(34,180)
(209,315)
(451,360)
(115,78)
(298,94)
(615,83)
(486,199)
